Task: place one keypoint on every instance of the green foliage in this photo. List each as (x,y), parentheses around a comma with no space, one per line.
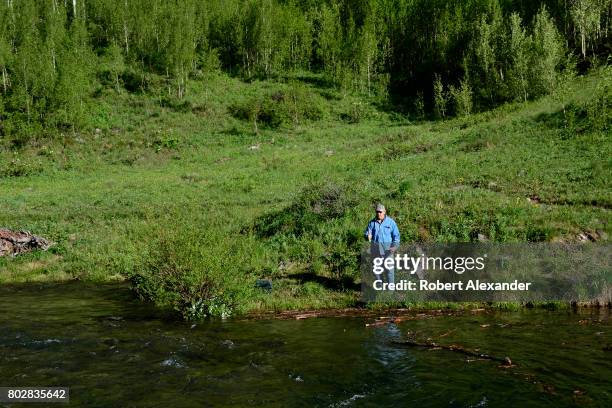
(54,61)
(350,47)
(104,165)
(18,166)
(46,69)
(113,64)
(312,289)
(462,98)
(313,228)
(509,54)
(419,106)
(156,180)
(315,205)
(330,44)
(191,271)
(594,113)
(134,80)
(74,78)
(520,44)
(440,98)
(548,54)
(488,60)
(357,112)
(586,15)
(283,107)
(182,44)
(167,142)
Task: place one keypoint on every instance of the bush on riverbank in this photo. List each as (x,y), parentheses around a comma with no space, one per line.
(191,271)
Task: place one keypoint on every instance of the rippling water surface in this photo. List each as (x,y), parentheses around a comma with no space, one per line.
(113,351)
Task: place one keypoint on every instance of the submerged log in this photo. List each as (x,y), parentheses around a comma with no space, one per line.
(13,243)
(505,361)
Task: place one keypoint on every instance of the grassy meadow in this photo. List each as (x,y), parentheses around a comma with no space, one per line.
(193,200)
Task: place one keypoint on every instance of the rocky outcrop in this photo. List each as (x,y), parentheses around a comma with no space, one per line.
(13,243)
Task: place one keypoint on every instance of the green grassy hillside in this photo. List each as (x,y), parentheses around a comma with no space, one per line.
(194,200)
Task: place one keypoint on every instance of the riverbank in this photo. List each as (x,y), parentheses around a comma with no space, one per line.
(191,200)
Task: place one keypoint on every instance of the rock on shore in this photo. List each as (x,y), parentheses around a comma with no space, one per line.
(13,243)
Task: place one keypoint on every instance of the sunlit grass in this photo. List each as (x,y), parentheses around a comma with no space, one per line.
(511,174)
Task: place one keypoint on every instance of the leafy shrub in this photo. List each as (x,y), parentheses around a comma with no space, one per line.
(440,98)
(596,112)
(403,189)
(165,142)
(316,204)
(176,104)
(282,107)
(316,229)
(462,98)
(313,289)
(134,80)
(191,271)
(19,167)
(356,113)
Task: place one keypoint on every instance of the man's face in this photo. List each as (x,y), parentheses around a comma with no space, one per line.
(380,215)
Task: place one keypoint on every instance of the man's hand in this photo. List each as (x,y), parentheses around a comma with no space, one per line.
(369,237)
(392,249)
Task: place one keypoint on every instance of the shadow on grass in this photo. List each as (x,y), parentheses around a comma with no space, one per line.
(554,120)
(344,283)
(316,81)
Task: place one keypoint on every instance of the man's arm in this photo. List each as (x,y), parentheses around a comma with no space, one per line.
(368,232)
(395,236)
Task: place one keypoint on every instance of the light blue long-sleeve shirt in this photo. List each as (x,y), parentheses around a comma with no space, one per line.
(385,232)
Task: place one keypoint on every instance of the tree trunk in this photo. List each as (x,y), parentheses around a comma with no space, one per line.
(4,81)
(125,28)
(368,75)
(27,91)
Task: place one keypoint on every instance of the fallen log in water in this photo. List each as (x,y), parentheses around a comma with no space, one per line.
(384,320)
(13,243)
(505,361)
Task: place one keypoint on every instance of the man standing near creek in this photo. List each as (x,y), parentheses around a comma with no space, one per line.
(384,237)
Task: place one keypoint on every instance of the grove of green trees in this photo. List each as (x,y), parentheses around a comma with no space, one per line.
(439,57)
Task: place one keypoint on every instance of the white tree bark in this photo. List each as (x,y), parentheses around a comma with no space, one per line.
(4,79)
(125,28)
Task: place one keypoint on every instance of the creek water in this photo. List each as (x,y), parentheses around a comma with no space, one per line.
(112,350)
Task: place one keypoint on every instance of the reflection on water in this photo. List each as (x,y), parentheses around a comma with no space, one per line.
(114,351)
